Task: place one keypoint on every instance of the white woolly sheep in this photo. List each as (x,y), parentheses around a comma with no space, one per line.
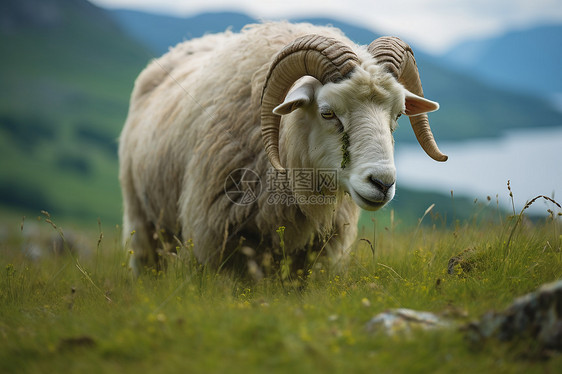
(301,97)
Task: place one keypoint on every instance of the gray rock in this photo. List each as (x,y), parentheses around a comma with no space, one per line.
(404,320)
(536,316)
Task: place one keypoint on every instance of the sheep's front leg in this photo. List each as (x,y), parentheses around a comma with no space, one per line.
(138,233)
(345,233)
(138,240)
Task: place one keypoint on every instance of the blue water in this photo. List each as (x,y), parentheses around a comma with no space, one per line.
(530,159)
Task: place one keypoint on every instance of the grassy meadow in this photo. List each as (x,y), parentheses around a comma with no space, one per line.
(69,303)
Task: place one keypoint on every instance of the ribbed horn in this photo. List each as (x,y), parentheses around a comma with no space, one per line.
(398,58)
(325,59)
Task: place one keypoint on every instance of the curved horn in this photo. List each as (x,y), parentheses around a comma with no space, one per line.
(398,58)
(325,59)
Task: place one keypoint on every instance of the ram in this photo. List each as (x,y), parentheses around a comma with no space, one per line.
(231,136)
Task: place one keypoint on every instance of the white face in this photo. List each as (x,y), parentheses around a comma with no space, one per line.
(349,126)
(365,122)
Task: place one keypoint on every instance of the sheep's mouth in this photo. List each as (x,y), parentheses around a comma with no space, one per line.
(365,203)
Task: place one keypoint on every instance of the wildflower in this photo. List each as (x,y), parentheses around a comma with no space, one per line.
(10,270)
(304,335)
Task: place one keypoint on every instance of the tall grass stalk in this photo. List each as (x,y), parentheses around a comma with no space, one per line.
(77,263)
(520,217)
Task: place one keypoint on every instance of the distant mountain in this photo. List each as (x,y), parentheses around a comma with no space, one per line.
(159,32)
(469,107)
(66,72)
(527,60)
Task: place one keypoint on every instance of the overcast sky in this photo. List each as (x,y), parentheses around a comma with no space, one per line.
(431,24)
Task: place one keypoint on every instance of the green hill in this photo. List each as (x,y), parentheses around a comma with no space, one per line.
(66,72)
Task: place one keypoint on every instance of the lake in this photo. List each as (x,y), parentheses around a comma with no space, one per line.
(531,159)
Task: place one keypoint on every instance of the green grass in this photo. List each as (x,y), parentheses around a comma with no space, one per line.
(83,311)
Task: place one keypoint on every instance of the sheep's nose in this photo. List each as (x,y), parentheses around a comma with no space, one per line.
(380,185)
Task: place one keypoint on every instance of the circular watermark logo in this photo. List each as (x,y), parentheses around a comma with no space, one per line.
(242,186)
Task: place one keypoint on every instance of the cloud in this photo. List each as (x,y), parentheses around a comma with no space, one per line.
(432,24)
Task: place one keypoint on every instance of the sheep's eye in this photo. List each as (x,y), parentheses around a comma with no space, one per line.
(328,114)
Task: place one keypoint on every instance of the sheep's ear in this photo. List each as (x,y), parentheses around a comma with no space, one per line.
(300,95)
(418,105)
